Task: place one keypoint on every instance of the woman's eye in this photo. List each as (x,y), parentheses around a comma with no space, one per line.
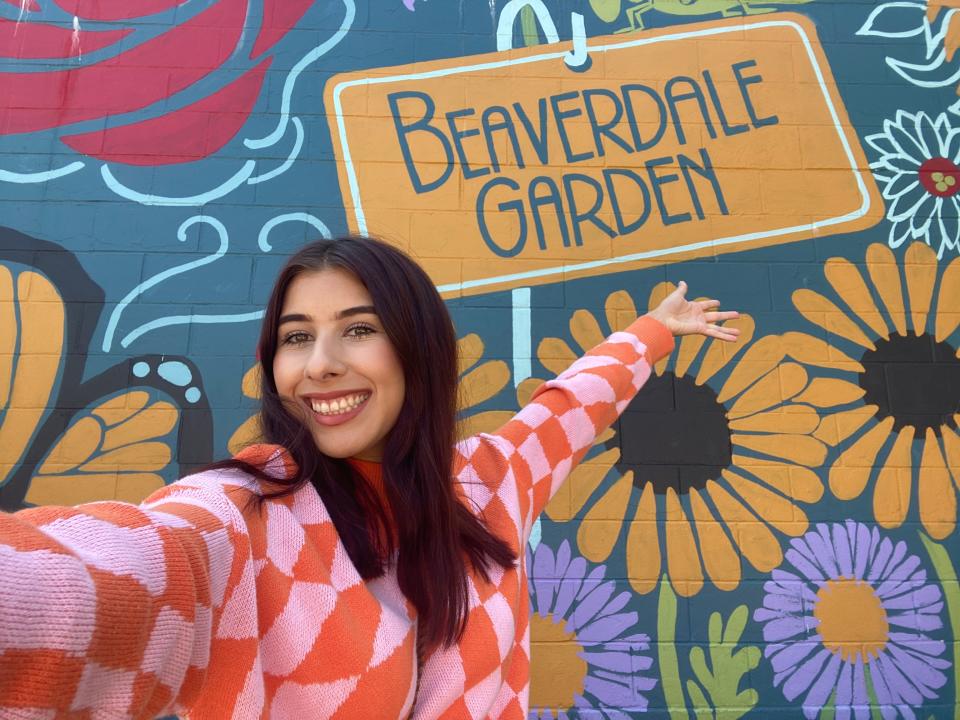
(360,330)
(295,338)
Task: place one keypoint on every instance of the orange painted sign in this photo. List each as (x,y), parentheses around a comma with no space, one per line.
(512,169)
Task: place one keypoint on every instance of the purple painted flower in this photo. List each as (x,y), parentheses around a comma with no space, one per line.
(853,616)
(582,654)
(408,4)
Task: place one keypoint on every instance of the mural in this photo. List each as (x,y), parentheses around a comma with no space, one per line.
(770,529)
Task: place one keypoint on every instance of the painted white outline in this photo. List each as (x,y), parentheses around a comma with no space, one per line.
(562,269)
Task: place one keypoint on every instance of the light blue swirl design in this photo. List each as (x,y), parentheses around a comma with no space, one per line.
(290,217)
(305,61)
(188,320)
(297,146)
(228,186)
(168,273)
(39,177)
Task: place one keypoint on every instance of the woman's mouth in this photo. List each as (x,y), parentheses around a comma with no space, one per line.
(337,410)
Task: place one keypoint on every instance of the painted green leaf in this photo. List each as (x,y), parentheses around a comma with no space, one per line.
(720,675)
(606,10)
(528,26)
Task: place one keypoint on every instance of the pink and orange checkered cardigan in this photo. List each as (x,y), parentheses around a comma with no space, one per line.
(193,603)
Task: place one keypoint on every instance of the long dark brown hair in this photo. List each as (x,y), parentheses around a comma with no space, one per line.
(435,535)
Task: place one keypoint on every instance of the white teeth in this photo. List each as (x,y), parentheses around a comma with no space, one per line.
(339,405)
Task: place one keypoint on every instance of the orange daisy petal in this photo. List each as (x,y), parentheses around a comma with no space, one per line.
(951,444)
(483,422)
(814,351)
(619,310)
(250,385)
(755,540)
(948,302)
(795,481)
(789,419)
(555,355)
(938,501)
(830,392)
(585,329)
(719,558)
(764,355)
(773,509)
(800,449)
(483,382)
(721,353)
(469,352)
(852,469)
(247,434)
(920,268)
(848,282)
(891,494)
(777,386)
(883,270)
(601,526)
(577,489)
(643,546)
(837,427)
(822,312)
(689,348)
(683,559)
(526,389)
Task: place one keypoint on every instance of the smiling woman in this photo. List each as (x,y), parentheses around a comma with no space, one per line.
(358,562)
(335,363)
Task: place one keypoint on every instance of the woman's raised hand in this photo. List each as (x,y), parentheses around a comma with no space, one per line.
(686,317)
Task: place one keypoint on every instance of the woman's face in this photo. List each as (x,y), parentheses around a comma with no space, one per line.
(335,362)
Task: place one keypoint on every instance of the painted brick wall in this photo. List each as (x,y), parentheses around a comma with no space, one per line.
(770,529)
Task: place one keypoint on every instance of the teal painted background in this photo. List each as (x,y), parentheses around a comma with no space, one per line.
(768,533)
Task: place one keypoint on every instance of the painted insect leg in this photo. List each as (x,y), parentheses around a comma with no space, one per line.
(634,16)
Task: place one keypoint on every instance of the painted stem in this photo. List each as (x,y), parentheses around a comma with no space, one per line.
(667,652)
(947,575)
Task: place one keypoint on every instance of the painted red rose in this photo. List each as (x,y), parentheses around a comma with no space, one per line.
(135,76)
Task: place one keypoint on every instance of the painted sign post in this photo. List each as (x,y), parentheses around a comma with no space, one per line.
(514,169)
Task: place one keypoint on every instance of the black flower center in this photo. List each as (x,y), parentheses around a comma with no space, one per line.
(673,434)
(914,379)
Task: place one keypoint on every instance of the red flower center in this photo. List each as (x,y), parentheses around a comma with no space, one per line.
(940,177)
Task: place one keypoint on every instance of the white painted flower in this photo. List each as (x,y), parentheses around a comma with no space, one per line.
(919,172)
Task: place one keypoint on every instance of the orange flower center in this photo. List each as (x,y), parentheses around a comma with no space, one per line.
(852,619)
(557,670)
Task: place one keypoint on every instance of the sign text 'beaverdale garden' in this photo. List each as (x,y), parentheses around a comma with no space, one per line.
(717,138)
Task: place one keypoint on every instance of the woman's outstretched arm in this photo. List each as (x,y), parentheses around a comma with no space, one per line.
(536,450)
(112,610)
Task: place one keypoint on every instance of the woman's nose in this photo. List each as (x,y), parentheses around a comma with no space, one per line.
(324,361)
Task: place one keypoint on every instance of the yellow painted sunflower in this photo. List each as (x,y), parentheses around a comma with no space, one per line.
(898,386)
(479,381)
(714,474)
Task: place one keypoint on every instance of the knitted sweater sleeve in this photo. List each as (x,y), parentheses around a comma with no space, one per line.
(510,475)
(112,610)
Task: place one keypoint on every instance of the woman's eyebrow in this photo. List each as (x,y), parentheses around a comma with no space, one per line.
(358,310)
(293,317)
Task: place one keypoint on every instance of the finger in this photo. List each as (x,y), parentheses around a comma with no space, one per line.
(713,317)
(708,304)
(722,333)
(681,289)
